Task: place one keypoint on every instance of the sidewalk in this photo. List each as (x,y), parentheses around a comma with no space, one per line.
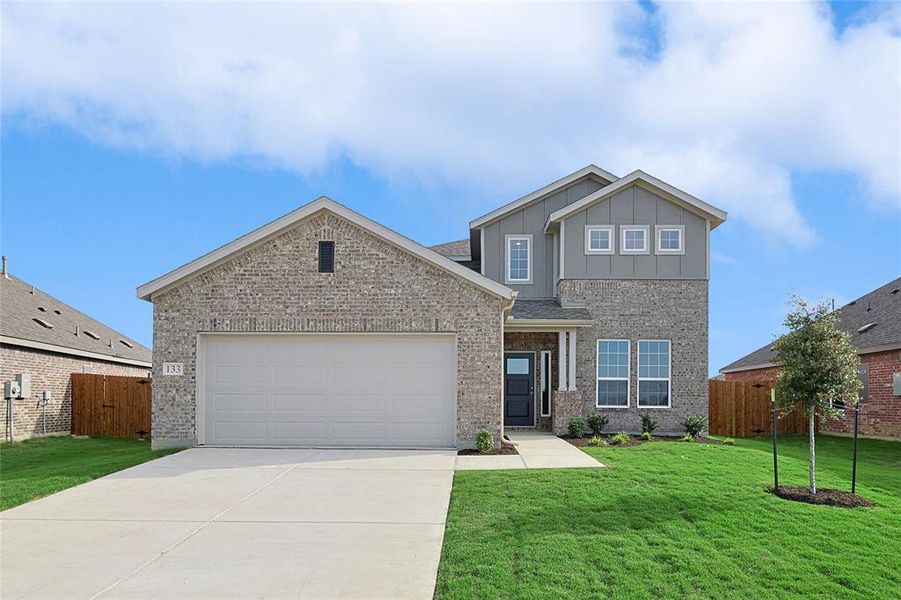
(537,450)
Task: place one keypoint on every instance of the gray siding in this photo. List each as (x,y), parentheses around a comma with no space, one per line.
(531,220)
(635,206)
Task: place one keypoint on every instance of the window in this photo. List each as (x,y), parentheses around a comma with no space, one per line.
(599,240)
(517,366)
(670,239)
(653,373)
(613,374)
(519,259)
(634,239)
(545,383)
(326,257)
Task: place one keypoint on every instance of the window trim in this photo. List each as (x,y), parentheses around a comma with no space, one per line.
(545,384)
(507,239)
(658,229)
(627,378)
(622,239)
(668,380)
(609,229)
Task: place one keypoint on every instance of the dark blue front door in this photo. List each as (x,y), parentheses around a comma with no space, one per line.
(519,389)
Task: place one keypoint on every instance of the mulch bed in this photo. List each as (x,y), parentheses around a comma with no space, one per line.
(505,449)
(637,441)
(823,496)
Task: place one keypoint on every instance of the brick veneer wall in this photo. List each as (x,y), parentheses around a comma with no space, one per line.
(674,310)
(523,341)
(880,417)
(53,372)
(376,287)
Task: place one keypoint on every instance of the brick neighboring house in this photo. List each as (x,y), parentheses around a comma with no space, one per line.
(50,340)
(324,328)
(874,321)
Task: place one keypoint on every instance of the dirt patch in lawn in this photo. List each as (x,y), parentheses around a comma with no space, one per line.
(505,449)
(637,441)
(823,496)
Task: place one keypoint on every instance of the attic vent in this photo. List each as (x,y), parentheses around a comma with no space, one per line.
(894,291)
(326,257)
(866,327)
(125,343)
(42,309)
(91,334)
(42,323)
(57,311)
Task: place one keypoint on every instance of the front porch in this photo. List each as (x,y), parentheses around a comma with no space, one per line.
(540,391)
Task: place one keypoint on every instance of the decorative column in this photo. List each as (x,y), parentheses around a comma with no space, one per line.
(572,360)
(561,359)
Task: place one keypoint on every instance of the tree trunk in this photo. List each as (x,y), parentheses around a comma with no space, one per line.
(813,457)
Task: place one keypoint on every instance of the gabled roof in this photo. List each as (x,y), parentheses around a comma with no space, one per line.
(874,321)
(707,211)
(538,194)
(34,319)
(275,228)
(457,251)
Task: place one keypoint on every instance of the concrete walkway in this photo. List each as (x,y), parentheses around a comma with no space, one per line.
(537,450)
(238,523)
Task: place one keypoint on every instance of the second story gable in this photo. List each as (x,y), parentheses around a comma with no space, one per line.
(593,225)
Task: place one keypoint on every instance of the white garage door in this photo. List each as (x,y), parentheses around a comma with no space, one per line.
(329,390)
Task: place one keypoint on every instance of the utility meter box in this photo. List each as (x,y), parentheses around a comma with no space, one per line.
(11,389)
(24,381)
(896,384)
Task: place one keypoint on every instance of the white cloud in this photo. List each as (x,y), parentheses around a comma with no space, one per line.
(484,96)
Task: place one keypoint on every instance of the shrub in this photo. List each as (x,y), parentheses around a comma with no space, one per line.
(598,441)
(485,441)
(688,438)
(620,438)
(648,423)
(577,428)
(695,425)
(597,423)
(729,441)
(647,436)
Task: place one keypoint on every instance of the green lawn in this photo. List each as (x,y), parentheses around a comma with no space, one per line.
(42,466)
(682,520)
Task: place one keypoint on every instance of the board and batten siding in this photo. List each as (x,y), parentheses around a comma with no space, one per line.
(635,206)
(530,220)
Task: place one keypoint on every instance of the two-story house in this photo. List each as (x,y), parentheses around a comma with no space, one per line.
(324,328)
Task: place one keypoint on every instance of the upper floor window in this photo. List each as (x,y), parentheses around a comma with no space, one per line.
(599,239)
(519,259)
(634,239)
(654,373)
(612,388)
(670,239)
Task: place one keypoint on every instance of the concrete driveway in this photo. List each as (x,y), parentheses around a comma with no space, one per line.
(238,523)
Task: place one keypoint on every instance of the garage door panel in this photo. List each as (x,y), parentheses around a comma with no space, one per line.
(330,389)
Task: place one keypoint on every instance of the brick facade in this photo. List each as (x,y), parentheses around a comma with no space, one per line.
(636,309)
(377,287)
(880,417)
(49,371)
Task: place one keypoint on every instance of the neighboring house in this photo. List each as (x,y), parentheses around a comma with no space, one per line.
(326,328)
(874,322)
(49,340)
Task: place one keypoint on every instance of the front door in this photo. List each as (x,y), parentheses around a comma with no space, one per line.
(519,389)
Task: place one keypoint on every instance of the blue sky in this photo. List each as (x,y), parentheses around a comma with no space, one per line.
(119,166)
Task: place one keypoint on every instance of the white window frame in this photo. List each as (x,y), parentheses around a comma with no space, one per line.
(507,239)
(622,239)
(609,229)
(668,380)
(546,383)
(659,229)
(627,378)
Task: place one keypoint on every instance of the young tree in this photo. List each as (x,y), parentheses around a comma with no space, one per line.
(818,367)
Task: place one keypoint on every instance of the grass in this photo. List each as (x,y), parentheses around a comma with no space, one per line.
(686,520)
(42,466)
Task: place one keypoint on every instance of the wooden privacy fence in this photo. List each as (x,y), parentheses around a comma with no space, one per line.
(739,409)
(110,405)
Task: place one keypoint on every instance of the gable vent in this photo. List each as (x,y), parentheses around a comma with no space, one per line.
(326,257)
(91,334)
(42,323)
(866,327)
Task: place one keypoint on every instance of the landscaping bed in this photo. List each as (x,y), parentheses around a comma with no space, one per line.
(637,440)
(505,449)
(826,496)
